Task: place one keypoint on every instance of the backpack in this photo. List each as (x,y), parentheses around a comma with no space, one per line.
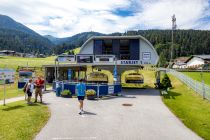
(24,88)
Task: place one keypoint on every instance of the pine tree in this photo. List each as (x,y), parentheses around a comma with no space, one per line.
(166,82)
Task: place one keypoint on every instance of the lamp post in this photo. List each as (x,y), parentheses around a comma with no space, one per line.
(4,89)
(172,37)
(115,71)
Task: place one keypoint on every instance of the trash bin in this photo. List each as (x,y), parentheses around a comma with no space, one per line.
(58,89)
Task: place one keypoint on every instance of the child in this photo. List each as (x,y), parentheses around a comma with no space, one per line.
(29,90)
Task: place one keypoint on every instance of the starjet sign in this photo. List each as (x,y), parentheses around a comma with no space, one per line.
(129,62)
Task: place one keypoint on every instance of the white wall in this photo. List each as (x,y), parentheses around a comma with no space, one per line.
(145,47)
(195,61)
(88,49)
(175,66)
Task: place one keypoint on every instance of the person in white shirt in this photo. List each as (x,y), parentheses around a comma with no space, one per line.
(29,90)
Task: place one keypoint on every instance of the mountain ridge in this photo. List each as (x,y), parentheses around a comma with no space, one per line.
(17,37)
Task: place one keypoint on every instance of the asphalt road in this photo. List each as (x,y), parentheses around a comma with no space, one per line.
(147,119)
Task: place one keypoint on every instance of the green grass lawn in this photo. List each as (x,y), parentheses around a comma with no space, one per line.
(11,91)
(20,121)
(14,62)
(197,76)
(192,110)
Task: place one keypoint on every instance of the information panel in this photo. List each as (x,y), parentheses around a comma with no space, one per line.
(69,74)
(25,75)
(7,76)
(104,58)
(110,89)
(84,58)
(66,59)
(146,55)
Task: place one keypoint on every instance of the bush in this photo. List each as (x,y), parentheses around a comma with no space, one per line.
(65,93)
(166,82)
(90,92)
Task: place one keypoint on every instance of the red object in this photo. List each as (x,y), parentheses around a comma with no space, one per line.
(26,71)
(39,83)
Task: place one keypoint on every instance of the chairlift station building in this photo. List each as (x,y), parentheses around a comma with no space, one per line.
(105,52)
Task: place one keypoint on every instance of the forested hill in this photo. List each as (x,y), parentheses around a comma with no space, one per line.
(69,43)
(187,42)
(15,36)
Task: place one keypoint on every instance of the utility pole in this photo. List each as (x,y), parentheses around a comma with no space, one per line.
(172,36)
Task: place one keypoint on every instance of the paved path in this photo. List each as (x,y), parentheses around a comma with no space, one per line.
(147,119)
(12,100)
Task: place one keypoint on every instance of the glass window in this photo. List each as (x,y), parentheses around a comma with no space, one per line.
(124,49)
(107,47)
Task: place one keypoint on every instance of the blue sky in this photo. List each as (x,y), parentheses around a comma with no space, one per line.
(63,18)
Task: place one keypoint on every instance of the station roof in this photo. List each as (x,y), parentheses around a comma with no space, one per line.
(120,68)
(116,37)
(204,57)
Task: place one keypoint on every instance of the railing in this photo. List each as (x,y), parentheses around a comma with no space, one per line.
(198,87)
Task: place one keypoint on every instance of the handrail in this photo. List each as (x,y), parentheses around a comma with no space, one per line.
(198,87)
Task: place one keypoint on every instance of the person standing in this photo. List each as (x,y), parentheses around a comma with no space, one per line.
(29,90)
(38,90)
(80,89)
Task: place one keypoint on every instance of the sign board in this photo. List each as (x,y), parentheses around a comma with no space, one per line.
(66,59)
(104,58)
(84,58)
(128,62)
(111,89)
(7,76)
(25,75)
(146,55)
(69,74)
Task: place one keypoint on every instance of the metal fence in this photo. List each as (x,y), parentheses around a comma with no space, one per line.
(199,87)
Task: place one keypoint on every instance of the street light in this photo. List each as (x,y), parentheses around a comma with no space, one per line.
(172,36)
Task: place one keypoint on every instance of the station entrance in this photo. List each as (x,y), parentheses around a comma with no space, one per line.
(104,79)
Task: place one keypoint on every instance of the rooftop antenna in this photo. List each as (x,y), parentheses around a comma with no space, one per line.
(172,36)
(125,34)
(90,28)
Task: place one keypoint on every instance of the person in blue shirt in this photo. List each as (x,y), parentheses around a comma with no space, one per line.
(80,90)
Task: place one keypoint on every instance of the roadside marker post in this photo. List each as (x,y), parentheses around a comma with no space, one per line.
(97,91)
(4,89)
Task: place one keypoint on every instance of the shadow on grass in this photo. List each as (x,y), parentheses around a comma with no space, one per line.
(34,104)
(18,107)
(171,95)
(13,108)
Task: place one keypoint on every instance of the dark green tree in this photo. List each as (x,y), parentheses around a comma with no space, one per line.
(166,82)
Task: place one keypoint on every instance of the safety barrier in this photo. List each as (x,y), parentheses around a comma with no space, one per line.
(198,87)
(101,89)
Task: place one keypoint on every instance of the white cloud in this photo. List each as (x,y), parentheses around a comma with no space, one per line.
(67,17)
